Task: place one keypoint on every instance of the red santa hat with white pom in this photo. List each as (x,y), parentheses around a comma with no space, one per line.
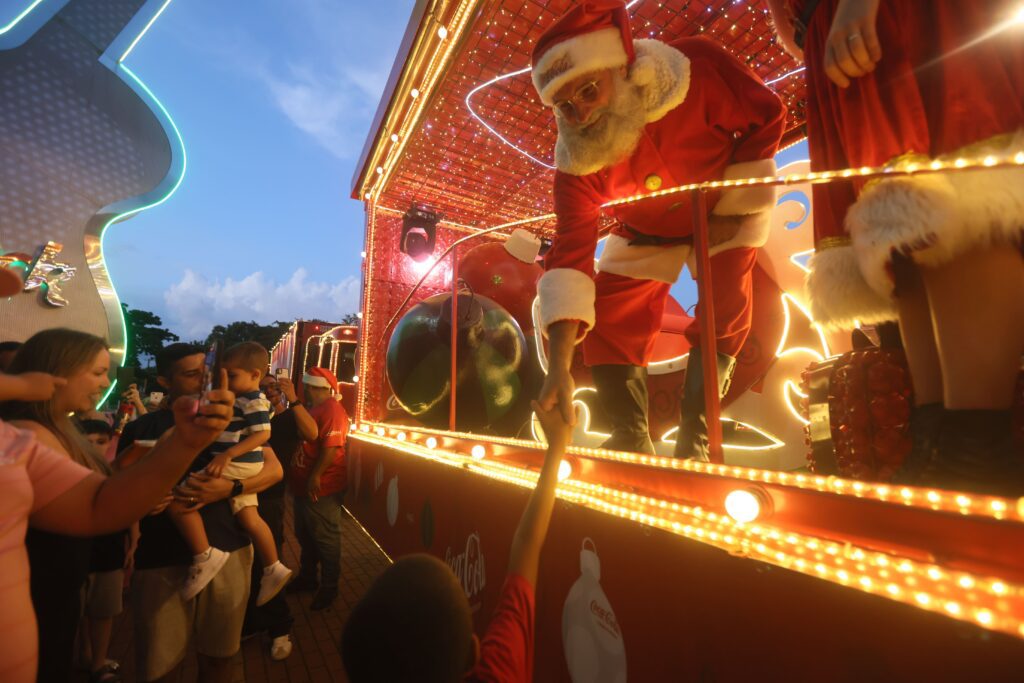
(592,36)
(320,377)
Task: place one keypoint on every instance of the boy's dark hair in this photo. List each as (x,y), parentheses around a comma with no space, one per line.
(171,354)
(413,624)
(96,427)
(248,355)
(9,346)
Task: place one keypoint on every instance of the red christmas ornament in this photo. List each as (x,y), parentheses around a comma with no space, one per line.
(489,269)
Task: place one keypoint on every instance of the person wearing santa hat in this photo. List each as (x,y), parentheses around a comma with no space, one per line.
(635,116)
(900,84)
(318,479)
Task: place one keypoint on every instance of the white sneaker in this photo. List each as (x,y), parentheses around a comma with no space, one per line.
(275,577)
(202,572)
(280,648)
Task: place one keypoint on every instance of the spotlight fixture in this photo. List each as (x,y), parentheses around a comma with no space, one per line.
(419,232)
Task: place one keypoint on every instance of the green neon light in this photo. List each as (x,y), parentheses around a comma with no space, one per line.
(127,214)
(14,22)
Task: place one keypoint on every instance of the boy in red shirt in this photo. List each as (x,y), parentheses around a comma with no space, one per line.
(415,624)
(318,478)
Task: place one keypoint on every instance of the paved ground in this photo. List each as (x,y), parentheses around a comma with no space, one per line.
(316,635)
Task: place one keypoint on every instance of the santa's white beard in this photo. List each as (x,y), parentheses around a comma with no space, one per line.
(612,136)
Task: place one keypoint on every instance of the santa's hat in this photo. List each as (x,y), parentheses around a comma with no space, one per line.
(321,377)
(592,36)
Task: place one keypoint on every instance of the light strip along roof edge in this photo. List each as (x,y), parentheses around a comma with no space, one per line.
(403,110)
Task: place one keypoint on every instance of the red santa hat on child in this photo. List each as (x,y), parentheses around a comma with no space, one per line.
(321,377)
(592,36)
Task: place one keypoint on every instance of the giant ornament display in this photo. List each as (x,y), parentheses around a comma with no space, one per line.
(490,361)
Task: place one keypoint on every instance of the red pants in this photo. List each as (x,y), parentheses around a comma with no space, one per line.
(629,312)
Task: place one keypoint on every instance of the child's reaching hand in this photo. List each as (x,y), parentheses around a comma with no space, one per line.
(557,431)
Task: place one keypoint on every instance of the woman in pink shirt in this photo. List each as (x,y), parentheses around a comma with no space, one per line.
(46,488)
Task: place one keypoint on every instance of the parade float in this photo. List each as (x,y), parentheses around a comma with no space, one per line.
(314,343)
(790,556)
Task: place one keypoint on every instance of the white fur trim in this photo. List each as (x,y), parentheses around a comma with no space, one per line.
(566,294)
(523,245)
(839,295)
(663,72)
(936,218)
(646,262)
(579,55)
(744,200)
(753,232)
(316,381)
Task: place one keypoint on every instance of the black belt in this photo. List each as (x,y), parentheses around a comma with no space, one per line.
(641,239)
(800,23)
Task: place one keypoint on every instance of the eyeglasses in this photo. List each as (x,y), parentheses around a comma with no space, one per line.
(586,94)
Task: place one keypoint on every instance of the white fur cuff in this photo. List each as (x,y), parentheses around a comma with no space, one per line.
(566,294)
(662,264)
(575,57)
(744,200)
(839,295)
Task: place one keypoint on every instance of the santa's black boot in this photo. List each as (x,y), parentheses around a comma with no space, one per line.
(692,437)
(976,453)
(924,436)
(622,391)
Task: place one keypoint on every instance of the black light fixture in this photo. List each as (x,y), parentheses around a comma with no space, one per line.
(419,232)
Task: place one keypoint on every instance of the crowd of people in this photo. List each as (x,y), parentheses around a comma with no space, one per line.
(78,527)
(170,507)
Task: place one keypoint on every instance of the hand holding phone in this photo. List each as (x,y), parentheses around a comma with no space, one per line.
(211,371)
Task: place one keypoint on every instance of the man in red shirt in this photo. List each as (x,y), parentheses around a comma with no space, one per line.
(318,479)
(415,623)
(636,116)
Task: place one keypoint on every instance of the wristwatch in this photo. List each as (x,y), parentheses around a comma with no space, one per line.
(236,487)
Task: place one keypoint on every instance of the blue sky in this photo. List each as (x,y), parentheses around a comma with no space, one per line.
(274,103)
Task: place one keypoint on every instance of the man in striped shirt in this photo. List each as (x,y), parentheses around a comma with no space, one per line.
(237,454)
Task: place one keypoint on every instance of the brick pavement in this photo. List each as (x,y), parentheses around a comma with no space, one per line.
(315,657)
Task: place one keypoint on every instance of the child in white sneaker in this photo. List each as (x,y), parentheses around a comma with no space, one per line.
(237,454)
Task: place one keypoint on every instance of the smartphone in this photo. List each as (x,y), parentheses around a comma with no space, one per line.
(281,372)
(126,377)
(211,370)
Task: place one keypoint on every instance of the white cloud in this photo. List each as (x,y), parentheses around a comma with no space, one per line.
(332,108)
(195,304)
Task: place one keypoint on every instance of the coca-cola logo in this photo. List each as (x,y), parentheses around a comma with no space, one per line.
(468,566)
(605,619)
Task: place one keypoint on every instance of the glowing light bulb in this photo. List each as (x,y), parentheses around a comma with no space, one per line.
(478,452)
(366,196)
(564,470)
(394,137)
(359,315)
(442,33)
(380,431)
(400,436)
(355,379)
(431,442)
(744,505)
(362,254)
(414,93)
(380,170)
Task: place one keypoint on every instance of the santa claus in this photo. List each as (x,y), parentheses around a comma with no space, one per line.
(636,116)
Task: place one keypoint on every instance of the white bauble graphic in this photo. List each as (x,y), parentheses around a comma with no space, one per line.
(378,476)
(393,501)
(594,649)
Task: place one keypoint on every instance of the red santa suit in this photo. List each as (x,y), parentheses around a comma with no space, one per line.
(949,85)
(708,118)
